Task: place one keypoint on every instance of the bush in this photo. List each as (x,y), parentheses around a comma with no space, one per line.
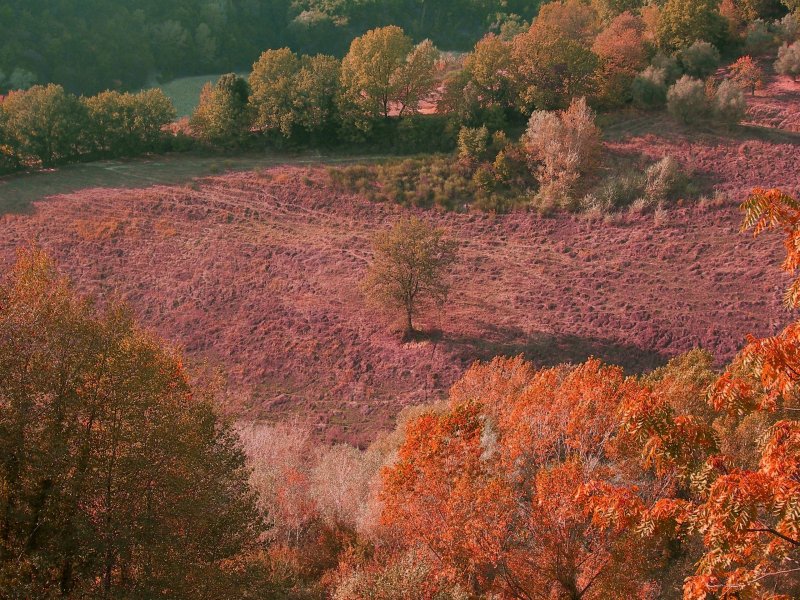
(664,181)
(425,133)
(701,59)
(406,576)
(788,28)
(729,104)
(759,39)
(788,62)
(473,143)
(619,191)
(670,65)
(562,147)
(687,100)
(649,89)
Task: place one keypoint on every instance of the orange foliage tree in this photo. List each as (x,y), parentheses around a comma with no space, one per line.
(623,55)
(736,461)
(748,74)
(490,488)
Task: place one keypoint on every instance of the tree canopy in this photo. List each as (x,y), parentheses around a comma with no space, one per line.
(116,476)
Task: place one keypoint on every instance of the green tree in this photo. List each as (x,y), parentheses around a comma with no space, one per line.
(490,69)
(415,79)
(223,115)
(315,91)
(554,59)
(409,269)
(272,82)
(117,479)
(125,124)
(44,124)
(683,22)
(609,9)
(369,83)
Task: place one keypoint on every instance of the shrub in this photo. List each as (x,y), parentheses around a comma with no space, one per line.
(664,180)
(669,64)
(562,147)
(618,191)
(700,59)
(649,89)
(758,39)
(687,100)
(424,133)
(399,578)
(788,28)
(788,62)
(473,142)
(729,105)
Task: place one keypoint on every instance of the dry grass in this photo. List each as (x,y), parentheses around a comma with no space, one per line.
(259,272)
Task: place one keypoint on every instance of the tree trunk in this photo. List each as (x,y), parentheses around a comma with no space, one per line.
(409,325)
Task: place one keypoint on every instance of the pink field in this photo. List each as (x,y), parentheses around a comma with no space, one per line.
(259,273)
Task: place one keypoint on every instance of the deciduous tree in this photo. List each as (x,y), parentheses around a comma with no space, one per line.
(272,84)
(683,22)
(369,71)
(223,115)
(735,460)
(562,147)
(490,68)
(747,74)
(44,124)
(620,47)
(410,269)
(554,59)
(117,479)
(491,488)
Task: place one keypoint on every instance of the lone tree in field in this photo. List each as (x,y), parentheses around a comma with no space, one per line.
(409,270)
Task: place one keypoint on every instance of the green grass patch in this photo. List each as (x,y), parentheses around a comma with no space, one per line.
(185,91)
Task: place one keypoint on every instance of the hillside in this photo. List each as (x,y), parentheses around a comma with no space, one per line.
(262,276)
(259,272)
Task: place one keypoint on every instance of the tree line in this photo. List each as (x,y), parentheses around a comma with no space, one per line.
(613,54)
(47,126)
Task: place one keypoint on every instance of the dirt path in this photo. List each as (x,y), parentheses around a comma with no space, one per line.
(19,192)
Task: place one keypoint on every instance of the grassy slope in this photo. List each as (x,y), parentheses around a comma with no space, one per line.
(259,272)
